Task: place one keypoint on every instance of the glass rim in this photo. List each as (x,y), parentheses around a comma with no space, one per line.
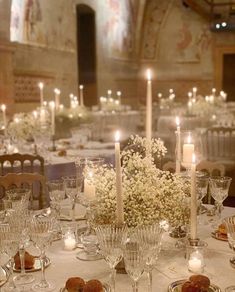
(85,160)
(222,178)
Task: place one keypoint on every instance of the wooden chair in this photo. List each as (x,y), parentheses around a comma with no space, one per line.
(35,181)
(21,163)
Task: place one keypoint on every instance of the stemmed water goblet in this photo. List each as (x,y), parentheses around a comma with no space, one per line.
(134,262)
(9,238)
(73,186)
(19,220)
(149,238)
(111,240)
(230,226)
(56,189)
(41,229)
(201,189)
(219,187)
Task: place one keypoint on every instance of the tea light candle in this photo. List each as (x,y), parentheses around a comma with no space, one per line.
(69,241)
(178,145)
(41,86)
(81,87)
(188,150)
(149,107)
(195,262)
(119,198)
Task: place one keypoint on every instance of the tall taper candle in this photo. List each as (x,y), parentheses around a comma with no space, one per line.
(52,106)
(193,213)
(3,108)
(149,107)
(119,94)
(57,98)
(41,86)
(81,95)
(119,210)
(178,145)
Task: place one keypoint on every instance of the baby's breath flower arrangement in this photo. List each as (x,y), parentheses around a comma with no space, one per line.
(71,117)
(150,194)
(23,126)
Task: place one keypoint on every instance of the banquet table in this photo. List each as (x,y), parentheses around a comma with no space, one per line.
(171,265)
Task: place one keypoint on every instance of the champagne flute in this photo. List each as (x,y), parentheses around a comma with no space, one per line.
(134,262)
(41,228)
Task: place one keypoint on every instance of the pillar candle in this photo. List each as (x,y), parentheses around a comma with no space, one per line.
(193,213)
(149,107)
(188,150)
(57,98)
(3,108)
(120,211)
(52,106)
(81,95)
(89,187)
(178,145)
(41,86)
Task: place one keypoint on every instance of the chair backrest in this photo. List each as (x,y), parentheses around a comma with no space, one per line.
(212,168)
(218,143)
(17,162)
(35,181)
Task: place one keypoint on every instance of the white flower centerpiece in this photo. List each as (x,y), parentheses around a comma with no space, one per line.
(23,126)
(149,194)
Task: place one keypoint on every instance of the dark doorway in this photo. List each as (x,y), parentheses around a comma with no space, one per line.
(86,50)
(229,76)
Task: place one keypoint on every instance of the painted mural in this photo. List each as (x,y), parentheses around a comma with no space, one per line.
(119,27)
(33,22)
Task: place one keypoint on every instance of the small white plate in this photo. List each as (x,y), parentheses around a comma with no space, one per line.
(105,286)
(36,267)
(177,287)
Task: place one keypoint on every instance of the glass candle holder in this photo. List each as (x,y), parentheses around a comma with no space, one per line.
(69,236)
(195,259)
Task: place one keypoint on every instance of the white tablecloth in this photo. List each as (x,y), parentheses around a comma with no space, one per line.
(171,266)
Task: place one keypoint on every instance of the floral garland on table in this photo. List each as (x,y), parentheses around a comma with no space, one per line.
(150,194)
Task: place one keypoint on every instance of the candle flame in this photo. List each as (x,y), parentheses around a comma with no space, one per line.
(190,94)
(81,87)
(177,121)
(3,107)
(194,89)
(149,75)
(40,85)
(56,91)
(117,136)
(213,90)
(159,95)
(190,104)
(90,174)
(119,93)
(189,139)
(109,92)
(171,90)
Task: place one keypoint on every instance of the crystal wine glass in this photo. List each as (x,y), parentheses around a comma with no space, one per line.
(56,189)
(41,228)
(134,262)
(230,226)
(112,239)
(10,238)
(149,238)
(19,220)
(73,186)
(219,186)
